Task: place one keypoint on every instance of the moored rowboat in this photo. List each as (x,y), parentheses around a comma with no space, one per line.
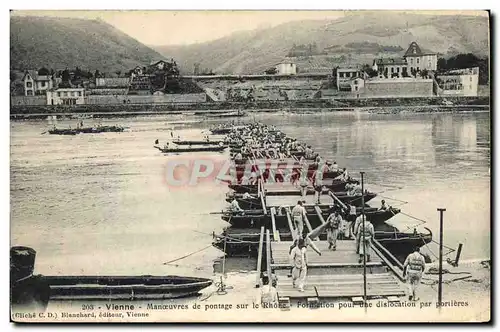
(191,149)
(198,142)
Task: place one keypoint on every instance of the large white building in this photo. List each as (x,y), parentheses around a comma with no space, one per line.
(418,60)
(459,82)
(66,96)
(345,75)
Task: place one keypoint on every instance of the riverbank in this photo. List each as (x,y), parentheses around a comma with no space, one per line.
(465,300)
(428,104)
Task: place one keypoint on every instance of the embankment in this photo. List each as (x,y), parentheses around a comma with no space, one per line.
(416,104)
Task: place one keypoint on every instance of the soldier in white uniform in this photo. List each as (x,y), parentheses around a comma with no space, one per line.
(298,259)
(304,183)
(298,217)
(413,268)
(365,236)
(235,207)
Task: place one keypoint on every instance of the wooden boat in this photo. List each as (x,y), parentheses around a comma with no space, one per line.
(285,165)
(245,242)
(46,288)
(87,130)
(205,142)
(257,218)
(63,132)
(256,203)
(109,129)
(183,122)
(336,185)
(220,131)
(123,287)
(293,191)
(191,149)
(236,114)
(35,291)
(401,244)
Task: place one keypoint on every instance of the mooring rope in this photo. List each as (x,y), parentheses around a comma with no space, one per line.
(393,199)
(219,236)
(406,214)
(435,271)
(185,256)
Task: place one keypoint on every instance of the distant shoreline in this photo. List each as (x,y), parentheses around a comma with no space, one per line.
(379,105)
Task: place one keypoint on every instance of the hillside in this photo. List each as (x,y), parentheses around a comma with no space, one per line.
(359,36)
(58,43)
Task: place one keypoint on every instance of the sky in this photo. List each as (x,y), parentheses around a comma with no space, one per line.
(188,27)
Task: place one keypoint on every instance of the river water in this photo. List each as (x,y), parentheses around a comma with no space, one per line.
(98,204)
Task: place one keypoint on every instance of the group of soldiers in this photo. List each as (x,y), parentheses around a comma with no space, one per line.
(266,141)
(363,232)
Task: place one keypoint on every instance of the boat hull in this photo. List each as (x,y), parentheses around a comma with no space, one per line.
(198,142)
(255,203)
(122,287)
(245,243)
(197,149)
(257,219)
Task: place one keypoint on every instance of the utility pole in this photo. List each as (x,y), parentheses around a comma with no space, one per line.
(362,239)
(440,285)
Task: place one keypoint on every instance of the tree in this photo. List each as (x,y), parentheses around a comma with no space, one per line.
(43,71)
(97,74)
(118,73)
(271,71)
(424,73)
(65,75)
(469,60)
(441,64)
(78,73)
(13,76)
(369,71)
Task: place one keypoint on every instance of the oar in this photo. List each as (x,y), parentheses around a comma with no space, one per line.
(44,133)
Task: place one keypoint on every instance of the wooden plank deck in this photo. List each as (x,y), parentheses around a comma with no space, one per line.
(339,275)
(344,255)
(292,200)
(288,189)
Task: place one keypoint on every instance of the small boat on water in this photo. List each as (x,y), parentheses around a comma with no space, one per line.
(87,130)
(257,218)
(335,185)
(255,202)
(220,131)
(123,287)
(183,122)
(192,149)
(235,114)
(63,132)
(194,142)
(244,242)
(35,291)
